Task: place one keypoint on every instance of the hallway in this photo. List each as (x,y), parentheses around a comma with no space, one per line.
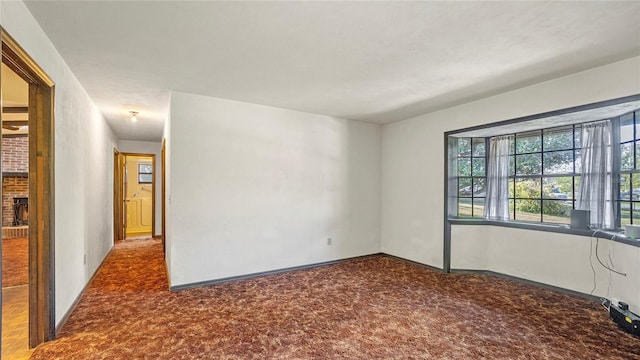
(120,309)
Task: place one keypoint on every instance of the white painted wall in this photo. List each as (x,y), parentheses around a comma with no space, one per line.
(256,188)
(562,260)
(154,148)
(166,135)
(413,184)
(83,164)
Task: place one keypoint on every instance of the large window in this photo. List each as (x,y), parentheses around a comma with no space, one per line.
(629,183)
(545,169)
(544,174)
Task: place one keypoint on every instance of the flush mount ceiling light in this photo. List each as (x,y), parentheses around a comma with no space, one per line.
(134,115)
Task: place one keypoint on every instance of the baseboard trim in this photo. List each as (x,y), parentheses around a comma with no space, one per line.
(430,267)
(528,282)
(73,306)
(157,236)
(270,272)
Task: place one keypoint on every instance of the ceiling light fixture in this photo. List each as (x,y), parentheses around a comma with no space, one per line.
(134,115)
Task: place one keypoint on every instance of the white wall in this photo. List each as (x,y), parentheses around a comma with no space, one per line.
(556,259)
(154,148)
(413,179)
(257,188)
(166,135)
(83,164)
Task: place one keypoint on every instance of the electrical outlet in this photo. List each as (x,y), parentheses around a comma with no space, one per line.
(329,240)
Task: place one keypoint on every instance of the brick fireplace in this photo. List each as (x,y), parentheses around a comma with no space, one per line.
(15,186)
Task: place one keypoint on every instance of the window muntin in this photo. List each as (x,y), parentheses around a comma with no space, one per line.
(543,182)
(543,177)
(628,194)
(625,189)
(145,173)
(471,176)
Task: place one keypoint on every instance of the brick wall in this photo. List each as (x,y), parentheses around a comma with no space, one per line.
(12,186)
(15,159)
(15,154)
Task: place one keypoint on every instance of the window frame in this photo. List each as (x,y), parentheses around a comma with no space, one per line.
(141,173)
(541,175)
(634,171)
(451,197)
(450,200)
(472,176)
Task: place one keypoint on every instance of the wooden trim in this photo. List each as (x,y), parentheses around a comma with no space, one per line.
(163,154)
(153,188)
(16,122)
(138,154)
(138,233)
(41,190)
(15,109)
(153,195)
(40,209)
(14,135)
(117,196)
(19,61)
(15,174)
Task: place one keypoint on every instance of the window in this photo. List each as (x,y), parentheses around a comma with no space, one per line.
(471,175)
(544,174)
(628,205)
(145,173)
(544,167)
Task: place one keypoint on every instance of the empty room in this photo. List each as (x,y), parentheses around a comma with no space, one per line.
(321,180)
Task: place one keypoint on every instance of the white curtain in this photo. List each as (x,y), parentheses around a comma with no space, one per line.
(497,202)
(595,192)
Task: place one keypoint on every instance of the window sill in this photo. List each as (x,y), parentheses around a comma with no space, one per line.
(617,236)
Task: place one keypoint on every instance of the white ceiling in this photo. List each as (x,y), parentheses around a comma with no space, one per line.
(370,61)
(15,93)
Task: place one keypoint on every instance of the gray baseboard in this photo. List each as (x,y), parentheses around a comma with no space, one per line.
(528,282)
(265,273)
(77,299)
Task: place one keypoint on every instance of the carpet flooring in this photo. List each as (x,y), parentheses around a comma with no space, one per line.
(15,262)
(370,308)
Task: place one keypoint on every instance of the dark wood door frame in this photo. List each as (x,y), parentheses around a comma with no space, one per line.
(41,190)
(118,196)
(164,180)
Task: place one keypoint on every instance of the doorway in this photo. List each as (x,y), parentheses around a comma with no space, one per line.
(134,195)
(28,202)
(15,214)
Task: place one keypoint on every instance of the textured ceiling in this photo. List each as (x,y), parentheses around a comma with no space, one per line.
(15,91)
(372,61)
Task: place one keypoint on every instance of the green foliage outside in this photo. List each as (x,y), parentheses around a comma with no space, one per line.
(559,160)
(530,188)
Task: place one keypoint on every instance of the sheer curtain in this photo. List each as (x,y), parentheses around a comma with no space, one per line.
(497,202)
(595,192)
